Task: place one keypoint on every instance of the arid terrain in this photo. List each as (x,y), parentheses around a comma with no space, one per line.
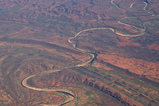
(79,53)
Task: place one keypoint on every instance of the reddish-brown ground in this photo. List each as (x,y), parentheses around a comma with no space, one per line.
(34,38)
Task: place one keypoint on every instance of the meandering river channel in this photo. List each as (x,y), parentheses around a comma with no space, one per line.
(71,95)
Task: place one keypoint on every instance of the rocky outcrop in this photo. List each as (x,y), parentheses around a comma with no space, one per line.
(110,91)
